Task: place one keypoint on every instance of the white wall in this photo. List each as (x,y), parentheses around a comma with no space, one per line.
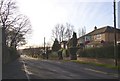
(0,53)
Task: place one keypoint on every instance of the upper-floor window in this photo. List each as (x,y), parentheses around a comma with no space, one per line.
(87,38)
(98,37)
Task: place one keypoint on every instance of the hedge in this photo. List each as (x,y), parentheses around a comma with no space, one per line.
(99,52)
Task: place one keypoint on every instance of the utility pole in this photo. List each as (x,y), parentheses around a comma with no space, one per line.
(115,40)
(44,49)
(44,44)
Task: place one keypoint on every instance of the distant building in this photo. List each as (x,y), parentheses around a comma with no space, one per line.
(99,37)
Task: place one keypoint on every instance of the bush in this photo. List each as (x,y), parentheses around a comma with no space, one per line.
(53,55)
(99,52)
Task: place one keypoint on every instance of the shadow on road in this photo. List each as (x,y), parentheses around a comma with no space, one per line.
(14,70)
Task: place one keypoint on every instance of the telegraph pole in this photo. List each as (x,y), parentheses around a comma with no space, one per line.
(44,49)
(44,44)
(115,40)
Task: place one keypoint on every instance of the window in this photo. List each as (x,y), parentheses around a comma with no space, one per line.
(98,37)
(87,38)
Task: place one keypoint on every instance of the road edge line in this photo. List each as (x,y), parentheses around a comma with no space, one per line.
(25,71)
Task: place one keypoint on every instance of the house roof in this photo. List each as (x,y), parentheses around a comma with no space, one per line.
(103,30)
(64,42)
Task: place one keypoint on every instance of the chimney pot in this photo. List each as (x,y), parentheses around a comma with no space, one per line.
(95,27)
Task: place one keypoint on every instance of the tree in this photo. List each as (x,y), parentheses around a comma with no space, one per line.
(56,46)
(59,32)
(74,39)
(16,25)
(62,32)
(73,48)
(69,31)
(21,29)
(83,30)
(7,9)
(55,32)
(15,39)
(79,32)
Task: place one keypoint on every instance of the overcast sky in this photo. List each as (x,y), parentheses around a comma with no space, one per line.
(45,14)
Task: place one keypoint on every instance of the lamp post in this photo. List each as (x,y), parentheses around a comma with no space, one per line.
(115,40)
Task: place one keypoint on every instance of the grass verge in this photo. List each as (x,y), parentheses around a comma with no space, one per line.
(93,63)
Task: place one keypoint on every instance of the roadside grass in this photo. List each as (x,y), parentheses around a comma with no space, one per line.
(93,63)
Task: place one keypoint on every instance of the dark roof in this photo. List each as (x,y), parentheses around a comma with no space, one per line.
(64,42)
(103,30)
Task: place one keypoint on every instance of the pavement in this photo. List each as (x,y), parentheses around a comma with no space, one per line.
(31,68)
(14,70)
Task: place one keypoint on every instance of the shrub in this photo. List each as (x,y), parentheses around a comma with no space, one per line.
(53,55)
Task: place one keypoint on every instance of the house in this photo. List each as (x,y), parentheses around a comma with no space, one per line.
(99,37)
(64,44)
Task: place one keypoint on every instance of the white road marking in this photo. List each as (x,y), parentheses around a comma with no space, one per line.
(26,71)
(28,57)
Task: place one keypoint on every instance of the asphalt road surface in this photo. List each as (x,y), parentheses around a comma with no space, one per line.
(55,69)
(52,69)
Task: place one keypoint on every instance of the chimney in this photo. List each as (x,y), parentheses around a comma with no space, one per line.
(95,28)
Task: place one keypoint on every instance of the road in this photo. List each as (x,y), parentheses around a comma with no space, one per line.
(55,69)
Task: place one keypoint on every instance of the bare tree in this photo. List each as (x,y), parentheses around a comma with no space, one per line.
(16,25)
(21,28)
(59,32)
(83,31)
(55,32)
(69,31)
(62,32)
(79,32)
(7,9)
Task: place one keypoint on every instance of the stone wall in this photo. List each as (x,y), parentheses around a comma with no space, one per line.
(5,52)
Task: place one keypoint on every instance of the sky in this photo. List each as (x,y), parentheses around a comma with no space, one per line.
(45,14)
